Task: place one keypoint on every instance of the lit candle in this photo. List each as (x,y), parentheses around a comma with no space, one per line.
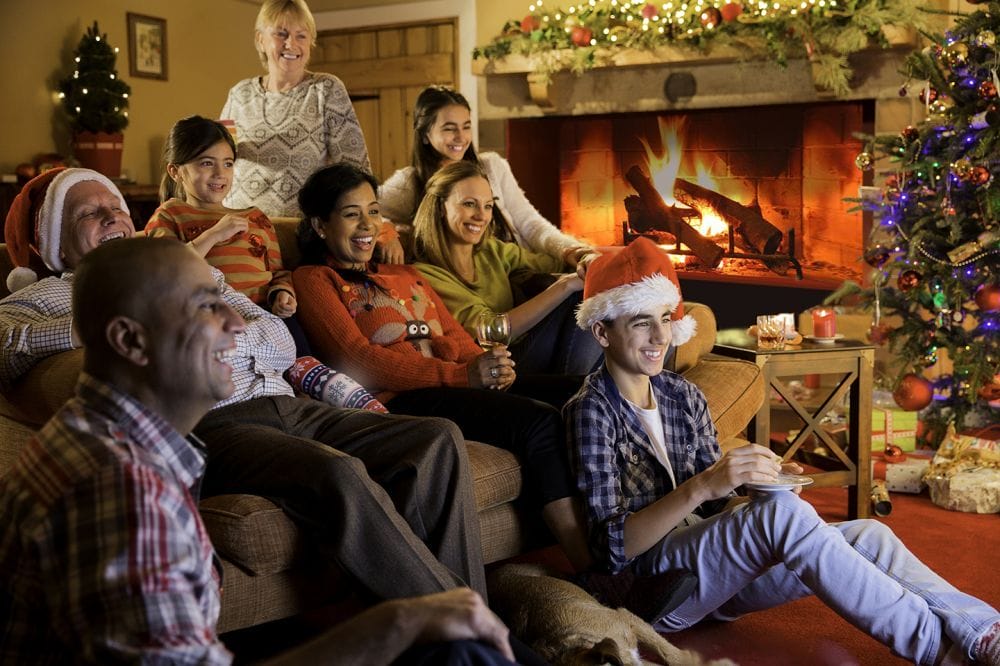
(824,323)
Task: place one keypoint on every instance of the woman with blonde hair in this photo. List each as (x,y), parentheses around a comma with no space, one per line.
(471,272)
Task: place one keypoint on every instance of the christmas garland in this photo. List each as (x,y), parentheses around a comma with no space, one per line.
(589,34)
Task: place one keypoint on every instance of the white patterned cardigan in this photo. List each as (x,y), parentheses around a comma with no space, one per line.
(282,138)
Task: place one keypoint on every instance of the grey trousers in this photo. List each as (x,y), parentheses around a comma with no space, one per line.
(388,498)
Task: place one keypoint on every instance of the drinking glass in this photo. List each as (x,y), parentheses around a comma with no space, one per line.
(492,329)
(771,332)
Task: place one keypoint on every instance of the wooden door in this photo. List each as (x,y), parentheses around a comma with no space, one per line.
(384,69)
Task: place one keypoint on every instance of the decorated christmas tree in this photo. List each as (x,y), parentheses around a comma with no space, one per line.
(95,99)
(935,243)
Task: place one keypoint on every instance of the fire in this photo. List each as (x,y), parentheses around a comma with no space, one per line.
(664,169)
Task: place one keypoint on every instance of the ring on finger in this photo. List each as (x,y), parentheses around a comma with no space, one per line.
(494,372)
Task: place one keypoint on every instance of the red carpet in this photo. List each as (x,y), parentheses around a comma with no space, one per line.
(961,547)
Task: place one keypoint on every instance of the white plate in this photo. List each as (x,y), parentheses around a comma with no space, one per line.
(825,341)
(784,482)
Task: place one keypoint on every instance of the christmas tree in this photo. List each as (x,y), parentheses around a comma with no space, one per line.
(935,243)
(93,95)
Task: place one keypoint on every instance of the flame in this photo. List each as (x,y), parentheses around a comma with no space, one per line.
(664,169)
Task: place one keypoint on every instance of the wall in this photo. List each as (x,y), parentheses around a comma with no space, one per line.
(209,48)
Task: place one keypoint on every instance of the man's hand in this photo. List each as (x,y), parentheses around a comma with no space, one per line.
(741,465)
(284,304)
(458,614)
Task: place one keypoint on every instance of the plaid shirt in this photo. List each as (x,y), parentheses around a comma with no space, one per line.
(616,468)
(35,322)
(103,556)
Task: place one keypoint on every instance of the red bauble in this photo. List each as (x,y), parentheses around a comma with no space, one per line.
(987,90)
(649,10)
(877,255)
(913,393)
(894,454)
(907,280)
(928,95)
(530,23)
(711,18)
(581,36)
(988,297)
(730,11)
(980,175)
(879,333)
(990,392)
(911,134)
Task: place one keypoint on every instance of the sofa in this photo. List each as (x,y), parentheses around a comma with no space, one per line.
(268,570)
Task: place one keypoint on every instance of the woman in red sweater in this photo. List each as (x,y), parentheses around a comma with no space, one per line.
(385,326)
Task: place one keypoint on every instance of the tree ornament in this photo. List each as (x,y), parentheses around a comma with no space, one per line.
(962,168)
(987,90)
(957,316)
(865,161)
(877,255)
(986,39)
(711,18)
(581,36)
(957,54)
(928,95)
(910,134)
(908,279)
(904,89)
(530,23)
(980,175)
(990,391)
(913,393)
(730,11)
(940,105)
(988,297)
(879,333)
(649,10)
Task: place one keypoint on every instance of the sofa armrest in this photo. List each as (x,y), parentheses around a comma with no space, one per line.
(688,354)
(37,396)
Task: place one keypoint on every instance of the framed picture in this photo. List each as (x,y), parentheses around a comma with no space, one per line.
(147,46)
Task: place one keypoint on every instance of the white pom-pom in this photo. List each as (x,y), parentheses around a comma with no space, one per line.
(683,329)
(20,277)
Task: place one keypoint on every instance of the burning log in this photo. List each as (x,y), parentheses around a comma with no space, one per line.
(758,235)
(639,222)
(655,213)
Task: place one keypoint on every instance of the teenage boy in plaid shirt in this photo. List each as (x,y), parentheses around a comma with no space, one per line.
(660,493)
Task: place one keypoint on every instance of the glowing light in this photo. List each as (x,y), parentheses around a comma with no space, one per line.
(85,91)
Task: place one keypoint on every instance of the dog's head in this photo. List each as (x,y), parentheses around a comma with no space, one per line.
(582,651)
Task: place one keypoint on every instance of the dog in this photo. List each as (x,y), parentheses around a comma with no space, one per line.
(568,627)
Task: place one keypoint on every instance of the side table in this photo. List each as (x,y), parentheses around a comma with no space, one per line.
(851,363)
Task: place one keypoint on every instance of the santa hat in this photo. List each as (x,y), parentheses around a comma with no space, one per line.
(625,283)
(33,230)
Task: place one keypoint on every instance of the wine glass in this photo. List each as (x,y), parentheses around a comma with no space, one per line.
(492,329)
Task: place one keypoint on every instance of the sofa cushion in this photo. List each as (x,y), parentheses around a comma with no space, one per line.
(496,475)
(252,532)
(37,396)
(734,391)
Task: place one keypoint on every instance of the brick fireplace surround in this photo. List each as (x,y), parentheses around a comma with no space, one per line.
(767,134)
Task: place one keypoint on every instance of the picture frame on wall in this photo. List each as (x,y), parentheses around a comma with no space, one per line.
(147,45)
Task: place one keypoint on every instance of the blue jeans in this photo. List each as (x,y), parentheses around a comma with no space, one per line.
(556,346)
(775,548)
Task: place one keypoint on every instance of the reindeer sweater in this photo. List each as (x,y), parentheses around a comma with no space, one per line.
(374,331)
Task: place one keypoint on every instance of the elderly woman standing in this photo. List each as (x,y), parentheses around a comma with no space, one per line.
(290,121)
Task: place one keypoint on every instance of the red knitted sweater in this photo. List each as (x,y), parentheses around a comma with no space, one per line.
(371,333)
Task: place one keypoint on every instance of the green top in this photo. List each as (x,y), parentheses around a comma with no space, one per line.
(494,262)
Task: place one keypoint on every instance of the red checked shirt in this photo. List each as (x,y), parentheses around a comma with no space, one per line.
(103,556)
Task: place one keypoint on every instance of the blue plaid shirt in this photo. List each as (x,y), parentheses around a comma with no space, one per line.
(616,469)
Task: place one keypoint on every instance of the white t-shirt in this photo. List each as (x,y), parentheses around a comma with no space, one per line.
(651,423)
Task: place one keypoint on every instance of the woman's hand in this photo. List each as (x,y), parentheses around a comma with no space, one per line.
(284,304)
(230,226)
(568,283)
(584,262)
(493,369)
(745,464)
(390,252)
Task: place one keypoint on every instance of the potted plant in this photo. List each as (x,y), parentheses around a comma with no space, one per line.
(96,102)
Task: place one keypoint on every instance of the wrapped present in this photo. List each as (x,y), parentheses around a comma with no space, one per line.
(904,476)
(893,426)
(965,474)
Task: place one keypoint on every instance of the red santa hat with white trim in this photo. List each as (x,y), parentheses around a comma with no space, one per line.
(625,283)
(33,230)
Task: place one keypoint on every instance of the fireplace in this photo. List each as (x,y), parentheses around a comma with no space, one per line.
(793,164)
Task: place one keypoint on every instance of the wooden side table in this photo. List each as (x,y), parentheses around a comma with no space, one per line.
(851,363)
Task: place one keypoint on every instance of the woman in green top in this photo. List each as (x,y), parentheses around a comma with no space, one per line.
(470,270)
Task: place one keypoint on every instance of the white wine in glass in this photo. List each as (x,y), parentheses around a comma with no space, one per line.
(492,329)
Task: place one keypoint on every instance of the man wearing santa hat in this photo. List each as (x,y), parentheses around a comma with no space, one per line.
(302,454)
(660,493)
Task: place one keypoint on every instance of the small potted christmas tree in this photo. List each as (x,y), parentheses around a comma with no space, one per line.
(96,102)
